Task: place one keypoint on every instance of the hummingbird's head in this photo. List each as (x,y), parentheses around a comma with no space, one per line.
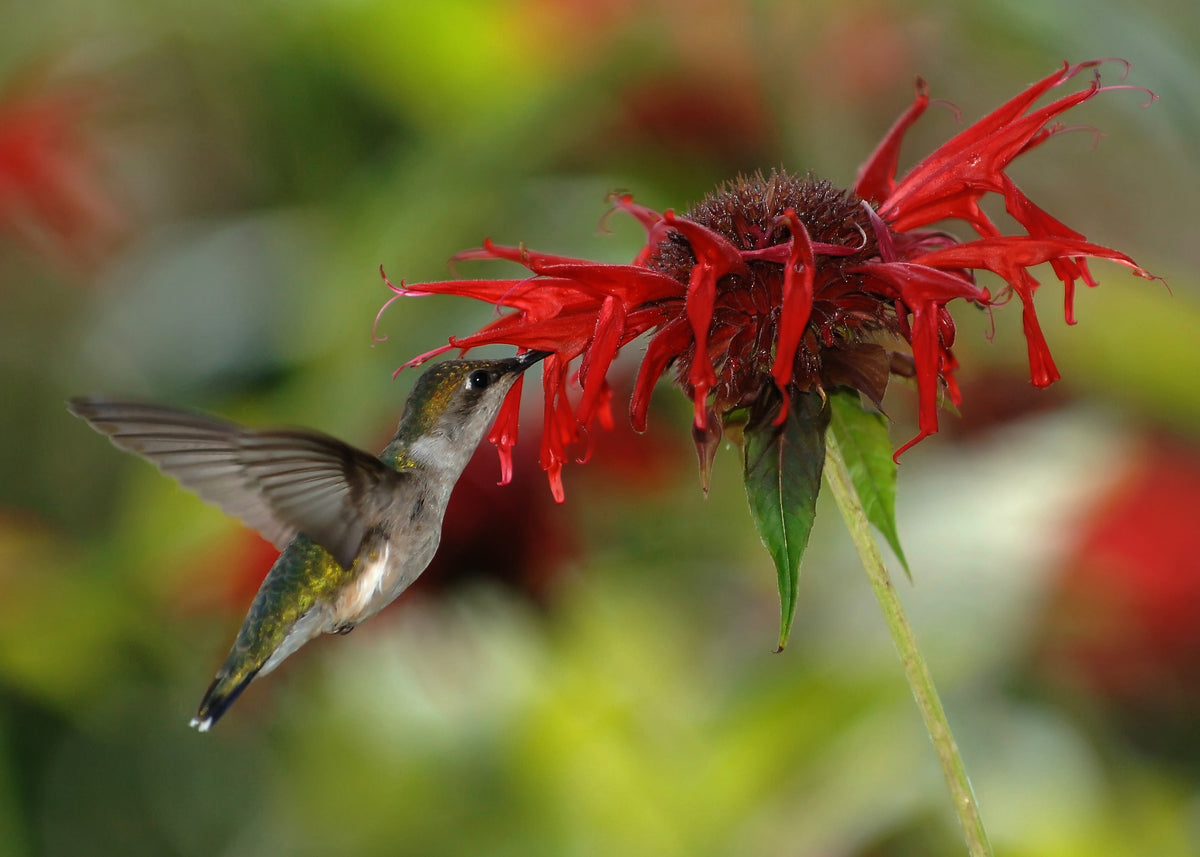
(454,403)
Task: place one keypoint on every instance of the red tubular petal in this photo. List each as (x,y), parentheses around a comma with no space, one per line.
(779,253)
(1007,112)
(554,477)
(610,328)
(632,284)
(715,258)
(604,407)
(568,334)
(700,405)
(1003,117)
(877,176)
(945,328)
(541,297)
(949,367)
(951,206)
(1041,224)
(651,221)
(531,259)
(906,447)
(504,453)
(560,428)
(1008,254)
(666,345)
(781,417)
(925,358)
(797,301)
(924,292)
(883,235)
(639,320)
(421,358)
(1042,370)
(702,297)
(504,431)
(902,319)
(917,283)
(971,162)
(712,249)
(649,218)
(1068,299)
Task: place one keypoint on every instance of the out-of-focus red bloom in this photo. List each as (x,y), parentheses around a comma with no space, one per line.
(690,115)
(500,534)
(1122,625)
(1132,585)
(51,197)
(789,284)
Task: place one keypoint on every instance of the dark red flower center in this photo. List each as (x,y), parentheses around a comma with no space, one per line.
(751,213)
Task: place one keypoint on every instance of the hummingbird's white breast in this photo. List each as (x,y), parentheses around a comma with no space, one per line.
(354,602)
(382,574)
(385,569)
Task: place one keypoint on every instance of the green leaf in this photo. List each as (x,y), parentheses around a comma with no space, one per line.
(863,438)
(782,468)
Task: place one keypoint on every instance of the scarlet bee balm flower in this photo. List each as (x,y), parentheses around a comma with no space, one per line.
(776,287)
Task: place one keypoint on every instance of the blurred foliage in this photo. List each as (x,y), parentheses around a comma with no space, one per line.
(222,189)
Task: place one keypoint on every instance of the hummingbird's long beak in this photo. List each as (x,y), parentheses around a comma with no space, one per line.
(531,357)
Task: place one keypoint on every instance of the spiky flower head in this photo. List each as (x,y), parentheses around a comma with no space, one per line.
(776,286)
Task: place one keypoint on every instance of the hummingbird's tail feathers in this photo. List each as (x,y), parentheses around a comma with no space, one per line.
(254,655)
(221,694)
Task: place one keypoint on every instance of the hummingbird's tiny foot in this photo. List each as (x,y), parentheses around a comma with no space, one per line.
(201,725)
(343,630)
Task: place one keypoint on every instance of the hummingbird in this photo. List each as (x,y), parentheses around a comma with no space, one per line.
(355,530)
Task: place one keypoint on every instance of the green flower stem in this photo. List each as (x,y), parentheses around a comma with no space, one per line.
(915,669)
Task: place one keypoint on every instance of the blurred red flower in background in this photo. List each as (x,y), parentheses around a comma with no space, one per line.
(1128,615)
(772,287)
(502,534)
(1123,626)
(52,198)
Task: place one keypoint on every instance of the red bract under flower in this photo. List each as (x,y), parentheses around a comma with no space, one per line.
(776,286)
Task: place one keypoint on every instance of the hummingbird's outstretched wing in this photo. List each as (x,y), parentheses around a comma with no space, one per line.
(279,482)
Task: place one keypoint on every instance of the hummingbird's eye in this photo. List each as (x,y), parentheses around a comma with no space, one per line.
(479,379)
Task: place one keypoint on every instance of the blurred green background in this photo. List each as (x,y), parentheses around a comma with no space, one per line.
(197,202)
